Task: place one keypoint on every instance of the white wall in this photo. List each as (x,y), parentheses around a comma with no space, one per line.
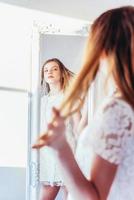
(82,9)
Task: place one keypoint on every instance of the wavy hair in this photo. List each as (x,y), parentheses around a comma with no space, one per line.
(66,75)
(113,33)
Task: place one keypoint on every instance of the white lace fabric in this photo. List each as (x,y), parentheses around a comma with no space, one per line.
(116,127)
(49,167)
(111,136)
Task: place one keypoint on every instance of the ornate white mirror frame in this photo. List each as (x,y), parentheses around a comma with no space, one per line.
(58,26)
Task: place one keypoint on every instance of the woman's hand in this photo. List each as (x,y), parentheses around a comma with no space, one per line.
(55,136)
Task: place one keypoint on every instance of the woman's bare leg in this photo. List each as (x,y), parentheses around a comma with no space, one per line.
(49,192)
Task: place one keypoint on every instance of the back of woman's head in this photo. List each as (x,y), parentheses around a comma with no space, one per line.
(111,33)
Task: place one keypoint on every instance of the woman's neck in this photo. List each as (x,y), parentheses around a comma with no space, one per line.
(54,89)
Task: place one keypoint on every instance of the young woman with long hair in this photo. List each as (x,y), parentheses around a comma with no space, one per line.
(55,79)
(110,135)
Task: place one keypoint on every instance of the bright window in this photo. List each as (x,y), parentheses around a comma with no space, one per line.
(13,128)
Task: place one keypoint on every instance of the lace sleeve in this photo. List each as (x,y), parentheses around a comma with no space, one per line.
(114,128)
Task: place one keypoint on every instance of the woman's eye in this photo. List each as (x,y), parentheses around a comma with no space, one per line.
(55,69)
(46,70)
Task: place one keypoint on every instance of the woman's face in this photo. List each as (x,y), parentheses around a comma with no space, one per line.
(52,73)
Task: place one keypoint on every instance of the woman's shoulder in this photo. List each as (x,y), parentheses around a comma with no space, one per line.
(116,103)
(43,99)
(112,128)
(116,113)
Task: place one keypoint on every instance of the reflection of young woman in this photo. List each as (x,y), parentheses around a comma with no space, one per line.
(111,137)
(55,79)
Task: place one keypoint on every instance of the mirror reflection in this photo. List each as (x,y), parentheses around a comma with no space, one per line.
(60,60)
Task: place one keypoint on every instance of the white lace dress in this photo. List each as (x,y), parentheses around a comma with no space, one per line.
(49,168)
(111,135)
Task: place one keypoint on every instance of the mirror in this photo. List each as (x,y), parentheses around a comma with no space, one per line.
(65,41)
(68,49)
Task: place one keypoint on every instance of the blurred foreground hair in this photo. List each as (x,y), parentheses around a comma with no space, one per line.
(111,33)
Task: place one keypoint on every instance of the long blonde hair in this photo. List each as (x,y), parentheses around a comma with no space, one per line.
(112,33)
(66,75)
